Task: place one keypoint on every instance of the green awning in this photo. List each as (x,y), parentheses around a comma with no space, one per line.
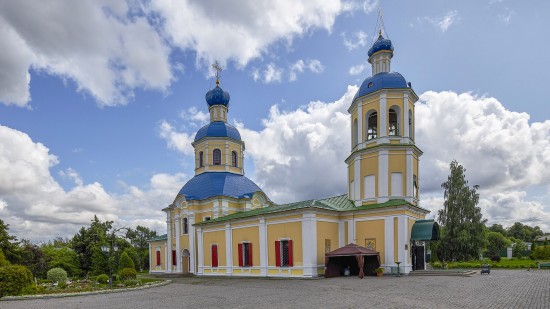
(425,230)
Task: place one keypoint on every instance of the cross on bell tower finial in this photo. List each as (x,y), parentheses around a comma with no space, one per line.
(218,69)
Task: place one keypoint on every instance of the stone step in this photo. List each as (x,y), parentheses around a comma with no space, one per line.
(456,273)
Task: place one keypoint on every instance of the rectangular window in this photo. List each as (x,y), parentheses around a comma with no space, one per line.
(184,226)
(370,186)
(283,253)
(206,219)
(174,258)
(396,184)
(245,254)
(214,255)
(158,257)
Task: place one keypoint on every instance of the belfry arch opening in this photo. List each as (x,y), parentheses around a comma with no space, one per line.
(394,121)
(372,125)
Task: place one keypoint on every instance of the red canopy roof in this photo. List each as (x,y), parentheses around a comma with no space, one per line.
(351,249)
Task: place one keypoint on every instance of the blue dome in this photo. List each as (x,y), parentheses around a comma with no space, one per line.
(379,81)
(380,44)
(211,184)
(218,129)
(217,96)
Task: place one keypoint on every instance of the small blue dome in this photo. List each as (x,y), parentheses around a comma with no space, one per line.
(211,184)
(379,81)
(380,44)
(217,96)
(218,129)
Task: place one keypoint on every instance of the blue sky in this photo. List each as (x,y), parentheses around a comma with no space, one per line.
(99,101)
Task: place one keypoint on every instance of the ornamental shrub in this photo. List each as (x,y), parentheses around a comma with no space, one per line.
(127,274)
(125,261)
(57,274)
(541,253)
(3,260)
(131,282)
(495,258)
(103,279)
(14,280)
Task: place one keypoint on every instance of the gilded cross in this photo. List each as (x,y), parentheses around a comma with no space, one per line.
(218,69)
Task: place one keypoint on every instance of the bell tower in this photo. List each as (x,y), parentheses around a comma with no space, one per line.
(383,164)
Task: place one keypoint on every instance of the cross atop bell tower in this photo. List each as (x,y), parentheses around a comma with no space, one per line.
(218,69)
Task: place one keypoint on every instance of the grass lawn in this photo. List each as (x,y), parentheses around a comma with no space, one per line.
(504,263)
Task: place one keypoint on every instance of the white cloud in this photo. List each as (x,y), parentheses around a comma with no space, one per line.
(506,17)
(240,31)
(106,52)
(358,39)
(39,209)
(270,74)
(300,154)
(445,22)
(357,69)
(313,65)
(369,6)
(179,141)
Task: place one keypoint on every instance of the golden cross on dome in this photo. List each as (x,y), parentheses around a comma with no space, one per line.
(218,69)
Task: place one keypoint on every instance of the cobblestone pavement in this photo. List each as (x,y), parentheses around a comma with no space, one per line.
(500,289)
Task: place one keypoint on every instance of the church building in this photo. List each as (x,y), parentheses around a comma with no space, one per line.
(221,223)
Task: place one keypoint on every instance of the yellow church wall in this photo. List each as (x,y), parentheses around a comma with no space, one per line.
(251,235)
(153,256)
(184,241)
(369,166)
(289,230)
(217,167)
(245,223)
(397,164)
(209,239)
(327,216)
(371,229)
(326,231)
(284,218)
(235,169)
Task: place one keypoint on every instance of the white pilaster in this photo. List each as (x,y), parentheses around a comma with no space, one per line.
(341,234)
(409,174)
(263,247)
(177,232)
(388,241)
(405,112)
(151,259)
(383,162)
(309,244)
(206,160)
(228,249)
(200,253)
(168,243)
(227,162)
(402,241)
(357,180)
(351,232)
(360,125)
(215,208)
(192,247)
(383,111)
(225,208)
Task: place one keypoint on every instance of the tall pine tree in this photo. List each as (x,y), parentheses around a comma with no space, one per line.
(461,219)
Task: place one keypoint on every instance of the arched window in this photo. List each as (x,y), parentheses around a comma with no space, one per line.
(393,122)
(216,157)
(234,158)
(415,186)
(372,126)
(185,226)
(411,124)
(354,133)
(201,159)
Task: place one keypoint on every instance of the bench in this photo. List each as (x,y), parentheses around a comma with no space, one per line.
(544,265)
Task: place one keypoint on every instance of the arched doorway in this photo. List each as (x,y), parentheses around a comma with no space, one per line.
(185,261)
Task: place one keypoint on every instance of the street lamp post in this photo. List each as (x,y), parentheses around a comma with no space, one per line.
(109,250)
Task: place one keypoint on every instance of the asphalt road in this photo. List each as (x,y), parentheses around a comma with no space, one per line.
(500,289)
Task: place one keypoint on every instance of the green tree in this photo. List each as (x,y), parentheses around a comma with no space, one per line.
(498,228)
(138,238)
(524,232)
(518,248)
(461,219)
(3,260)
(62,256)
(495,242)
(125,262)
(86,243)
(9,244)
(33,257)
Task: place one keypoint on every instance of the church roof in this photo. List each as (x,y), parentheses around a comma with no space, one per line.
(339,203)
(218,129)
(217,96)
(382,80)
(211,184)
(380,44)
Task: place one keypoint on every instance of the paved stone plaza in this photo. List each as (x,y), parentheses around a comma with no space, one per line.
(500,289)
